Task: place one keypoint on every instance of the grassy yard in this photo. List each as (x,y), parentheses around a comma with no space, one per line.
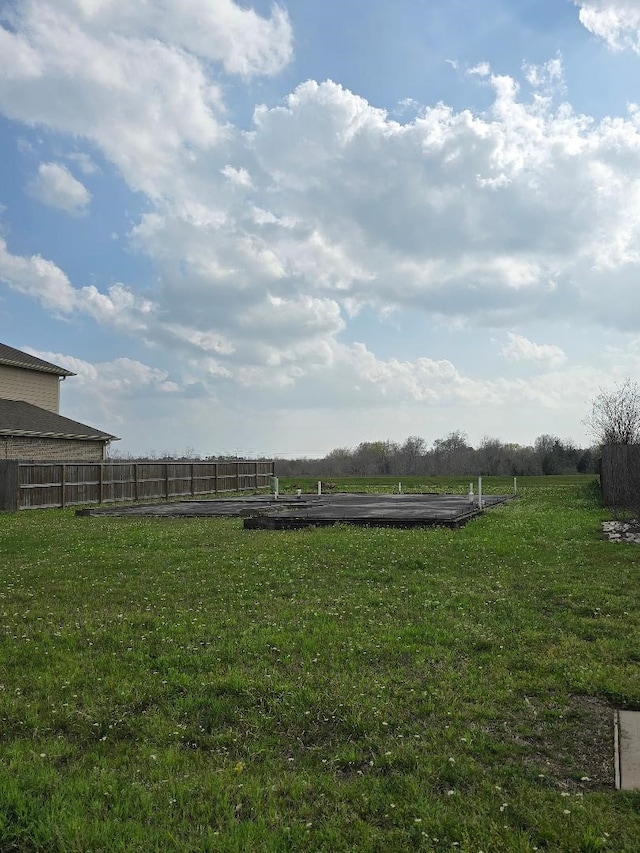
(182,684)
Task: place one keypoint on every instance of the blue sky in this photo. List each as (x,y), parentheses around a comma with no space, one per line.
(285,228)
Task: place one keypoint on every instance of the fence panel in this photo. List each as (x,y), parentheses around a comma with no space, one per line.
(27,485)
(620,475)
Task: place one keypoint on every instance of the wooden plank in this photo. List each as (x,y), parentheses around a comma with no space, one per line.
(9,495)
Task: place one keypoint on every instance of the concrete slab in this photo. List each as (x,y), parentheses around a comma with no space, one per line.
(263,511)
(627,747)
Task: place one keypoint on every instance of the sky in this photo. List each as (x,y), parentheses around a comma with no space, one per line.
(279,229)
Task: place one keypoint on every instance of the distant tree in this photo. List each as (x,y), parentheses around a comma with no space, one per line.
(615,415)
(452,455)
(556,456)
(453,441)
(497,458)
(374,457)
(338,462)
(588,462)
(411,455)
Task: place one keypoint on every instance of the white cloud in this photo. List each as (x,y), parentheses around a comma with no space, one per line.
(548,77)
(38,279)
(110,394)
(83,162)
(134,79)
(616,22)
(54,185)
(519,348)
(46,283)
(218,30)
(268,242)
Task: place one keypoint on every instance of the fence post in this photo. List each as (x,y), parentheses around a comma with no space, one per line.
(166,480)
(101,484)
(256,486)
(193,482)
(63,485)
(237,476)
(215,478)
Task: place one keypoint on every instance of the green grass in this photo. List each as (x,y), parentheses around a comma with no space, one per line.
(182,684)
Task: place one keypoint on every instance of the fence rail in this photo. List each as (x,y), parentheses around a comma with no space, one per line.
(31,485)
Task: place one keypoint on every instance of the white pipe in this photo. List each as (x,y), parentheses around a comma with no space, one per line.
(515,485)
(275,484)
(470,493)
(399,488)
(479,492)
(319,487)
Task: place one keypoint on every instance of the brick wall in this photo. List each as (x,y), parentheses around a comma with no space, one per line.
(30,386)
(51,449)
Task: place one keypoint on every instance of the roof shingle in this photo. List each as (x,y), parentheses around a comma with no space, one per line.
(16,358)
(24,419)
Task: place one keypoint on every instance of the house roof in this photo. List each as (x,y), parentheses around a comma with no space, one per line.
(17,358)
(24,419)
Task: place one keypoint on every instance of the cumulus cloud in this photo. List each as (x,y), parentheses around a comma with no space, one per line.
(244,42)
(616,22)
(54,185)
(46,283)
(110,394)
(519,348)
(124,376)
(135,79)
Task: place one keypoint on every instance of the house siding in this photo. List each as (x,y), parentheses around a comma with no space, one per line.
(51,449)
(31,386)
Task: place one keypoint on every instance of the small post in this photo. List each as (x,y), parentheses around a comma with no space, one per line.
(399,488)
(319,487)
(63,485)
(470,493)
(515,485)
(274,486)
(479,492)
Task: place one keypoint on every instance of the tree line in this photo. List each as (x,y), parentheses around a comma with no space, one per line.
(448,456)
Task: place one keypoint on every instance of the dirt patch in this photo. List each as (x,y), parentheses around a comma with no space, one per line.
(570,745)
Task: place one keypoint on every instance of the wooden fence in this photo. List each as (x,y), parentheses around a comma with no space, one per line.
(620,476)
(30,485)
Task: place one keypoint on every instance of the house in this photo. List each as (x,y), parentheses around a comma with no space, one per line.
(31,426)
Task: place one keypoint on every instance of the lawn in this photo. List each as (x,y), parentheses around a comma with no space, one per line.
(183,684)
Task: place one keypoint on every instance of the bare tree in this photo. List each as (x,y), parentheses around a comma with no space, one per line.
(615,415)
